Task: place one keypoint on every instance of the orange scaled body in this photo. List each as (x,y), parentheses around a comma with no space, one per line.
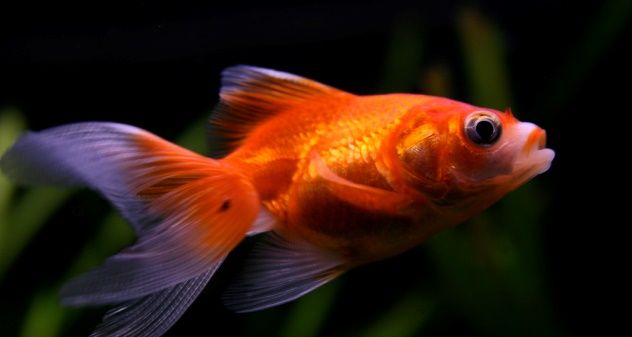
(331,166)
(321,168)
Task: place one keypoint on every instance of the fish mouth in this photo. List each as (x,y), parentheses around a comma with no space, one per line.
(542,141)
(535,141)
(535,155)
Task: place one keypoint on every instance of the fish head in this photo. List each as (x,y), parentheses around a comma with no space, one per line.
(468,157)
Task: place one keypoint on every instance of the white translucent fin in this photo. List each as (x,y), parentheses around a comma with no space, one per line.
(152,315)
(279,271)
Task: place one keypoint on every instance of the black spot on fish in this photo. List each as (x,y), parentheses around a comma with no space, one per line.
(225,206)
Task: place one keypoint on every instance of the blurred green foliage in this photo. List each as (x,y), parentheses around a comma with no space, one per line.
(607,25)
(489,272)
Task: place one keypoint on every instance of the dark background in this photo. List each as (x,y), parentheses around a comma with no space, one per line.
(157,66)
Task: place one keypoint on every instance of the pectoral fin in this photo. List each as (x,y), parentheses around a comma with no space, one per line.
(361,196)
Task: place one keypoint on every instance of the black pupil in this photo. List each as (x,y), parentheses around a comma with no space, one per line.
(485,130)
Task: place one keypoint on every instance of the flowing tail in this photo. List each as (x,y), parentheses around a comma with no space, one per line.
(188,211)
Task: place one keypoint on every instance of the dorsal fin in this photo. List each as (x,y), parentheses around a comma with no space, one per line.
(249,95)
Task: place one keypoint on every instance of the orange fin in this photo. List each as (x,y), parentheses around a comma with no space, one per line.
(250,95)
(189,211)
(281,270)
(361,196)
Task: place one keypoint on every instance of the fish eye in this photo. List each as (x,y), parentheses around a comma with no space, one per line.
(483,128)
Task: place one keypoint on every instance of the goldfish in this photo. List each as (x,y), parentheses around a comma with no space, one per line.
(327,179)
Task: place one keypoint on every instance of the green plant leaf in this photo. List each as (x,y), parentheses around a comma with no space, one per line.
(404,319)
(608,24)
(403,57)
(44,317)
(484,57)
(11,125)
(25,223)
(18,215)
(309,312)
